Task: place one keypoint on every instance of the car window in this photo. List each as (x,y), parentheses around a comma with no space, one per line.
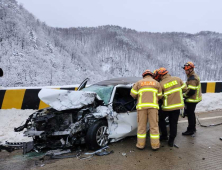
(123,101)
(104,92)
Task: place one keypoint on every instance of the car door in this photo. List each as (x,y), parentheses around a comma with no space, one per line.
(124,108)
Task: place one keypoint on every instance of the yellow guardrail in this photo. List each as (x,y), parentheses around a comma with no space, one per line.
(28,98)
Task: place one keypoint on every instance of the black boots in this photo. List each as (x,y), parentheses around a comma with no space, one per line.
(171,142)
(189,132)
(163,138)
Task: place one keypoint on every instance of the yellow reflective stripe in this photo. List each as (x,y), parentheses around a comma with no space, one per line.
(140,100)
(181,97)
(194,100)
(165,100)
(134,91)
(141,135)
(170,84)
(173,106)
(140,105)
(179,89)
(147,89)
(198,90)
(172,91)
(147,105)
(156,136)
(154,98)
(184,85)
(192,87)
(197,96)
(160,94)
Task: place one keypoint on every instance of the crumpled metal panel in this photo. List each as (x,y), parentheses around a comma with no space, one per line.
(65,99)
(120,125)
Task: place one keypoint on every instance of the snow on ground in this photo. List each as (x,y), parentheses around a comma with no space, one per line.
(210,102)
(13,118)
(9,119)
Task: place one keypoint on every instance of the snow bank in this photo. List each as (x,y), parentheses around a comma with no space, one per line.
(13,118)
(210,102)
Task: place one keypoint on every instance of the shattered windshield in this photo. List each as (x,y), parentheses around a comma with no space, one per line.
(104,92)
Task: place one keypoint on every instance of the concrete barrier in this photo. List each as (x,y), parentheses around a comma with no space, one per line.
(27,98)
(211,87)
(24,98)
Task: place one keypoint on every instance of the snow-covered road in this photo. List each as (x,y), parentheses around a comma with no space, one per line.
(13,117)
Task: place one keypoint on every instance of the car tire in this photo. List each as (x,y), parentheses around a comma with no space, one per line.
(97,136)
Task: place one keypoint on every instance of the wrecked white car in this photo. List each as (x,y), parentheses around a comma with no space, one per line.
(96,115)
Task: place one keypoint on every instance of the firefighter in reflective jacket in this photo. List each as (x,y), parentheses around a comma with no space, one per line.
(147,92)
(172,88)
(192,96)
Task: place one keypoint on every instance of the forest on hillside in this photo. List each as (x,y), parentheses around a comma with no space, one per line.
(34,54)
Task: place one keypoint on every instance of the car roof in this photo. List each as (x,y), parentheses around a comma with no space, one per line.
(121,80)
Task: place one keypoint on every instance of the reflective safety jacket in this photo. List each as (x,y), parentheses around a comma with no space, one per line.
(193,94)
(173,88)
(147,92)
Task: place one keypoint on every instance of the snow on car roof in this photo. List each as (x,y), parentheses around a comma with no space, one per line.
(121,80)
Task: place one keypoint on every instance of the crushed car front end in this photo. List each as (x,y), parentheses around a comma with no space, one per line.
(68,124)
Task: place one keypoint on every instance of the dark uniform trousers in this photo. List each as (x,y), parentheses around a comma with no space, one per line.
(173,120)
(189,111)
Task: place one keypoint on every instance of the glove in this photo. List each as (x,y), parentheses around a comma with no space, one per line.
(183,113)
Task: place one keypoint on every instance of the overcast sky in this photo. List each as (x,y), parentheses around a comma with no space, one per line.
(190,16)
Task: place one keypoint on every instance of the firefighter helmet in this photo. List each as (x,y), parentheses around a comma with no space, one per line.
(156,76)
(162,71)
(188,65)
(147,72)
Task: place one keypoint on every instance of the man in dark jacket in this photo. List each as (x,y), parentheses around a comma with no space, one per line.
(192,96)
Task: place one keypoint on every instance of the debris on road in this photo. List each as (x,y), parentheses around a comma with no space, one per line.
(27,147)
(124,154)
(57,152)
(100,150)
(176,146)
(82,158)
(104,153)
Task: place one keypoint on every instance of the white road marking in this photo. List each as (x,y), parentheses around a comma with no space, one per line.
(207,118)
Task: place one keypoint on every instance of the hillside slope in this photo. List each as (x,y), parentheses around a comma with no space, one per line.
(34,54)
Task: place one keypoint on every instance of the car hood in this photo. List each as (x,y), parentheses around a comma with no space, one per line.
(66,99)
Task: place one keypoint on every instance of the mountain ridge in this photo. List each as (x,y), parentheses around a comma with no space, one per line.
(34,54)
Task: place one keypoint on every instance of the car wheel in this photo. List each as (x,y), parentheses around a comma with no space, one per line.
(97,136)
